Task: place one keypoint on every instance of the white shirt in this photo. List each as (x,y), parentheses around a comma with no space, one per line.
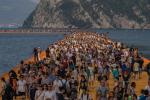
(56,85)
(76,49)
(2,87)
(39,95)
(63,81)
(75,74)
(21,85)
(50,95)
(52,50)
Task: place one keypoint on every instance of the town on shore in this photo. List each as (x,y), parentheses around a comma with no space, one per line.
(39,30)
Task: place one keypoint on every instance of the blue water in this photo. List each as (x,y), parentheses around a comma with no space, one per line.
(133,38)
(15,47)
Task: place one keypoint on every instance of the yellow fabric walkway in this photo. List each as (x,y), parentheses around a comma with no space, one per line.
(140,83)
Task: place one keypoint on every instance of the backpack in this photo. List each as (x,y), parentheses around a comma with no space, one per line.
(74,84)
(73,93)
(83,85)
(63,86)
(60,96)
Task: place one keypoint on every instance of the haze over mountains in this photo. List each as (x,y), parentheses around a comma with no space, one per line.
(90,14)
(16,11)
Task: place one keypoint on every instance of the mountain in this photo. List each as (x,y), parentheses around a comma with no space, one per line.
(128,14)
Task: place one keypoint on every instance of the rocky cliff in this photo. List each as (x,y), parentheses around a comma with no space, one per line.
(126,14)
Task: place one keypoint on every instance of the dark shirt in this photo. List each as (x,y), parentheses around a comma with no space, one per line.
(47,52)
(83,84)
(32,93)
(126,77)
(62,72)
(35,51)
(51,78)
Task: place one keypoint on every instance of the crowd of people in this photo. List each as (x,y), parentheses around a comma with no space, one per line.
(72,68)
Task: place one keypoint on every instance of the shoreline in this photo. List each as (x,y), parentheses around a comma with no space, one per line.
(51,33)
(54,31)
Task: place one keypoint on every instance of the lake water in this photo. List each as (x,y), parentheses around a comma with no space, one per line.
(134,38)
(15,47)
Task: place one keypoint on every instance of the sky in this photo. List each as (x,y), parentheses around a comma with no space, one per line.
(16,11)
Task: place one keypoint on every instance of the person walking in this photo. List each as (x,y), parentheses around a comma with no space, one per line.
(39,94)
(21,87)
(102,91)
(3,87)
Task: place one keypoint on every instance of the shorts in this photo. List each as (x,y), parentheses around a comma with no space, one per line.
(140,69)
(136,72)
(21,93)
